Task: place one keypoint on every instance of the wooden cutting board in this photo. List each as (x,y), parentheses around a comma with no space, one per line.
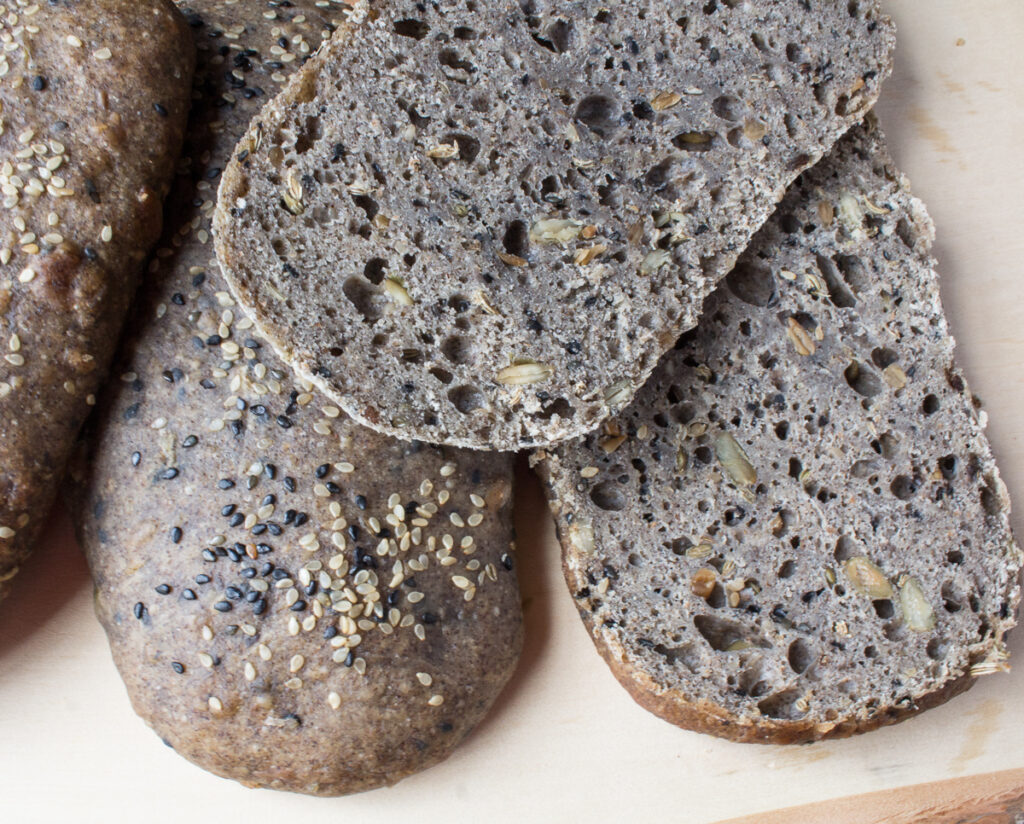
(566,743)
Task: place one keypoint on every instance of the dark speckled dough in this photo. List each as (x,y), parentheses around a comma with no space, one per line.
(482,223)
(798,530)
(293,601)
(87,147)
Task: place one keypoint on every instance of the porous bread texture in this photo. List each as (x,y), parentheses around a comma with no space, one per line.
(481,223)
(292,601)
(88,138)
(797,531)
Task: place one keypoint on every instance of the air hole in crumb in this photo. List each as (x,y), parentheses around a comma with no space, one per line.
(457,349)
(903,487)
(787,570)
(752,283)
(795,53)
(464,33)
(837,291)
(442,375)
(367,300)
(560,407)
(367,204)
(782,706)
(469,147)
(608,496)
(721,633)
(416,29)
(517,239)
(449,58)
(930,405)
(882,357)
(728,107)
(599,113)
(467,399)
(800,656)
(309,135)
(937,648)
(883,608)
(990,498)
(846,548)
(374,270)
(862,380)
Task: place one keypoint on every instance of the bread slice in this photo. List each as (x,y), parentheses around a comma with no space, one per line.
(798,531)
(292,601)
(482,223)
(88,138)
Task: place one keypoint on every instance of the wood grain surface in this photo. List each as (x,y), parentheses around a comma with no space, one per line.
(566,743)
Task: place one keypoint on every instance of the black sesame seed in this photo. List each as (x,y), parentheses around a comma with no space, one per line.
(139,610)
(298,606)
(188,595)
(38,83)
(237,519)
(228,510)
(202,579)
(289,483)
(393,598)
(284,422)
(332,487)
(199,279)
(267,568)
(506,561)
(178,667)
(252,597)
(234,593)
(280,574)
(90,253)
(209,555)
(178,299)
(222,606)
(176,535)
(268,499)
(163,589)
(249,572)
(160,110)
(322,470)
(350,658)
(234,554)
(259,607)
(311,590)
(361,502)
(428,618)
(136,457)
(214,340)
(274,529)
(301,518)
(226,483)
(269,470)
(259,529)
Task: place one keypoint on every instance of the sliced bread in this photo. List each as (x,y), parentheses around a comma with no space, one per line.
(797,531)
(482,223)
(292,601)
(88,138)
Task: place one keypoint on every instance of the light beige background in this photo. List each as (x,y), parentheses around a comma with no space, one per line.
(566,743)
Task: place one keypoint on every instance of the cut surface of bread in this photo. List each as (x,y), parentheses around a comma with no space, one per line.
(798,531)
(88,139)
(293,601)
(482,223)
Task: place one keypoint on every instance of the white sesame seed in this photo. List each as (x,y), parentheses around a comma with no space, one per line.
(436,700)
(477,501)
(27,275)
(424,678)
(6,532)
(103,54)
(215,704)
(74,41)
(296,663)
(334,700)
(14,344)
(107,234)
(447,470)
(264,652)
(589,471)
(206,660)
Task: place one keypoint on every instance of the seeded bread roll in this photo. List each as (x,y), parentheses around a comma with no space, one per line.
(293,601)
(88,138)
(481,223)
(798,530)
